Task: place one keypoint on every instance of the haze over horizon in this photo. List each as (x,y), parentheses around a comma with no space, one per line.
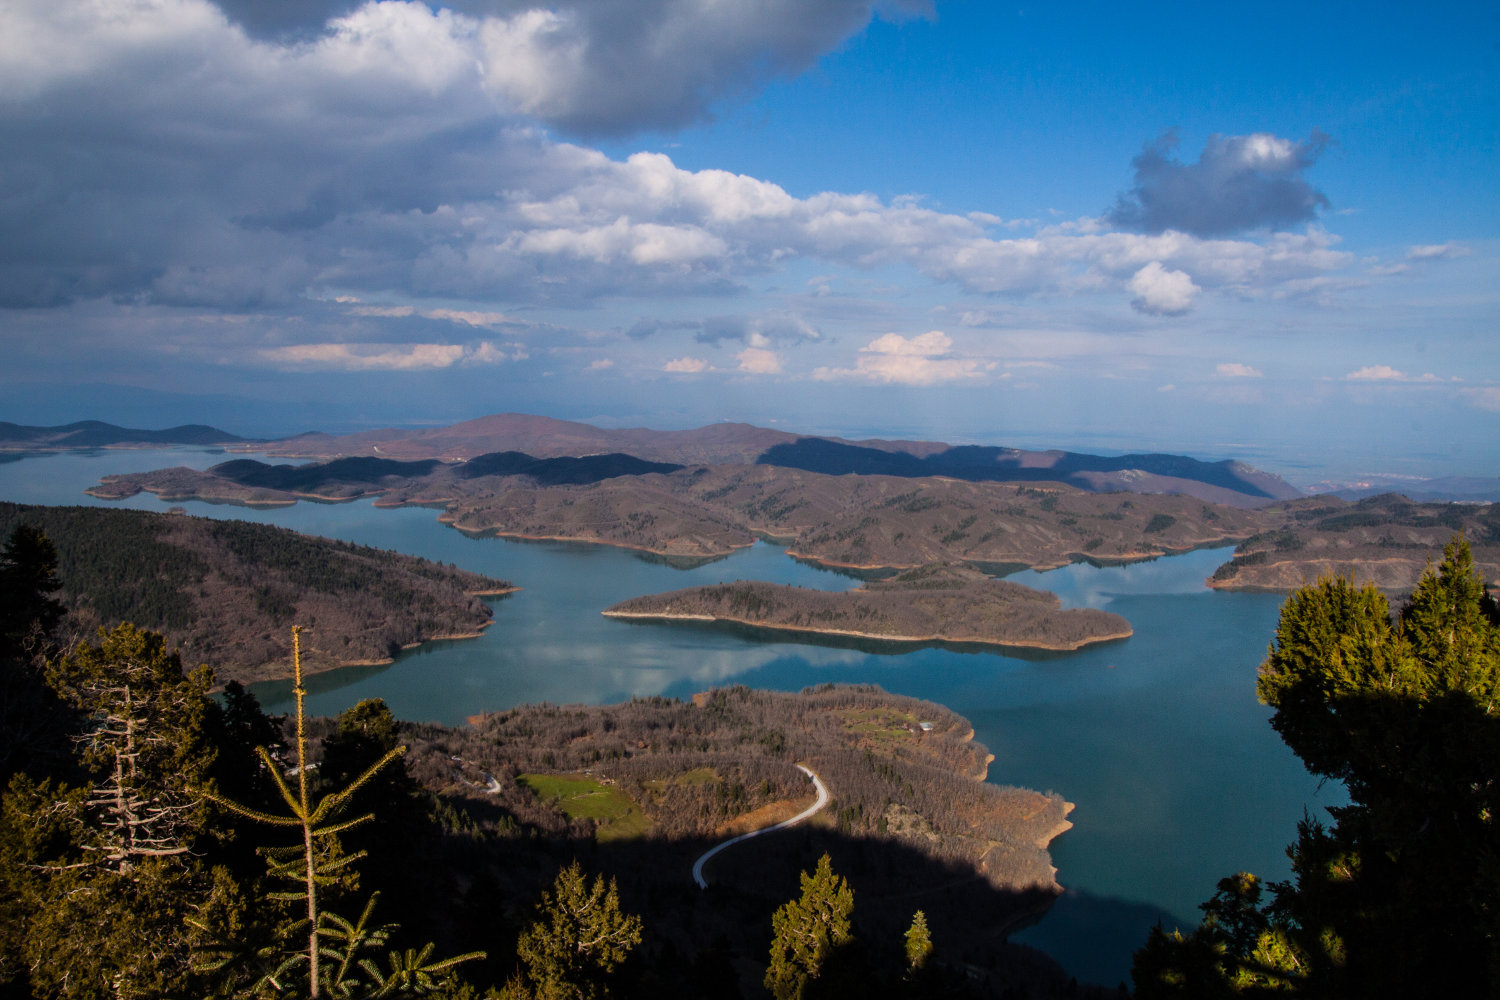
(1265,233)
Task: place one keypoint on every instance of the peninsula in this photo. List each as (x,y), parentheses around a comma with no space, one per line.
(1387,540)
(939,603)
(220,591)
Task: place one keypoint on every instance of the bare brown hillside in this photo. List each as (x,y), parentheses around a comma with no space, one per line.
(934,603)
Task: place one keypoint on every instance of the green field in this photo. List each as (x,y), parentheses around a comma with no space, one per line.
(697,776)
(616,815)
(881,725)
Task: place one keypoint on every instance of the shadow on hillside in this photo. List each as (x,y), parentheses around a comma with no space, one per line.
(693,936)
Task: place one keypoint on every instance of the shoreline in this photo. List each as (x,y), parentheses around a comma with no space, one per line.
(315,666)
(522,536)
(848,633)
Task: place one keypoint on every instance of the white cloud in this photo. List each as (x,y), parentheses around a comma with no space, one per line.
(894,359)
(1375,373)
(487,353)
(611,68)
(1486,398)
(601,364)
(1385,373)
(685,365)
(1439,251)
(366,357)
(390,357)
(375,161)
(1161,292)
(759,361)
(1233,369)
(468,318)
(933,342)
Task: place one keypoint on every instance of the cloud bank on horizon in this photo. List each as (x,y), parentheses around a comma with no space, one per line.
(237,194)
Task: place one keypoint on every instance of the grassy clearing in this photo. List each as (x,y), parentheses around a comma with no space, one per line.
(615,814)
(696,776)
(879,725)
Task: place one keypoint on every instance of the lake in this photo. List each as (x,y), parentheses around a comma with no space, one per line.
(1158,739)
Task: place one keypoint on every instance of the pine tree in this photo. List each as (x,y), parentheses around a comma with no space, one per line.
(807,930)
(33,723)
(1398,897)
(332,947)
(579,938)
(29,616)
(107,870)
(918,944)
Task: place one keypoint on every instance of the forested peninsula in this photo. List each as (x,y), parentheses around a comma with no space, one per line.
(222,591)
(1386,540)
(939,603)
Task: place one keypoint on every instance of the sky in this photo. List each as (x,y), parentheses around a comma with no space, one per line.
(1268,232)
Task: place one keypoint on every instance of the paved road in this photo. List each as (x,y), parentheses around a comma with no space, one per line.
(822,800)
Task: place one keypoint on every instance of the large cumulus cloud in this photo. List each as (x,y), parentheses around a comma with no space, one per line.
(1240,182)
(152,151)
(610,67)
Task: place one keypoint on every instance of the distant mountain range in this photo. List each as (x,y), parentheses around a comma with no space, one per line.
(973,463)
(1469,489)
(97,434)
(745,444)
(369,473)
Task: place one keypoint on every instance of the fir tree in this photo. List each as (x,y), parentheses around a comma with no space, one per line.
(580,936)
(918,944)
(1397,897)
(105,871)
(332,947)
(807,930)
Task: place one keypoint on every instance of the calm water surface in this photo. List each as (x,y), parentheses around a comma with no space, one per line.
(1157,739)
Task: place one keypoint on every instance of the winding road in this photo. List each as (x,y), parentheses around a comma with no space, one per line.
(821,801)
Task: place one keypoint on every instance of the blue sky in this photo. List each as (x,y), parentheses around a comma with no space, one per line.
(1263,232)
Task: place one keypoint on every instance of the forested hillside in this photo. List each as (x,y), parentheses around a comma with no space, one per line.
(157,842)
(222,591)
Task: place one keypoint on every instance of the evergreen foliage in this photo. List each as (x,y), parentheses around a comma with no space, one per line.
(128,866)
(1396,898)
(103,858)
(33,722)
(28,577)
(918,944)
(807,930)
(580,936)
(219,590)
(331,954)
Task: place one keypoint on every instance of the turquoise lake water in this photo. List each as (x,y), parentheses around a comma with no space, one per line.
(1157,739)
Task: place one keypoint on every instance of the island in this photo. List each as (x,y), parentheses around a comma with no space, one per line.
(941,603)
(222,592)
